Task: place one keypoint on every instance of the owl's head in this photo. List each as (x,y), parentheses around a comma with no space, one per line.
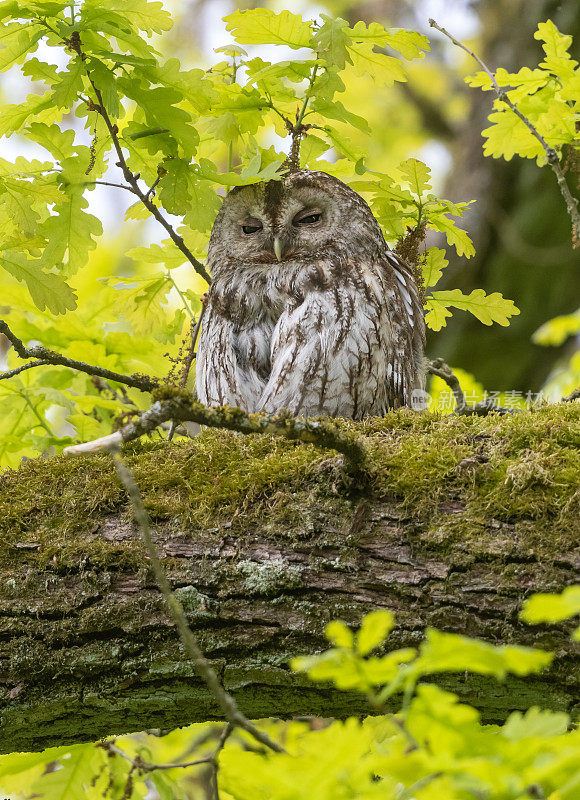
(304,215)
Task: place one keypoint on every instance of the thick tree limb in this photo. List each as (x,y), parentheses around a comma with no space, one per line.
(87,647)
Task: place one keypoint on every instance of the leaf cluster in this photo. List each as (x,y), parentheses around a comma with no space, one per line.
(548,95)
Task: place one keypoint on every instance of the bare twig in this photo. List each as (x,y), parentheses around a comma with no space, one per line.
(13,372)
(144,766)
(187,360)
(151,189)
(551,154)
(181,407)
(440,368)
(225,701)
(109,183)
(46,356)
(575,395)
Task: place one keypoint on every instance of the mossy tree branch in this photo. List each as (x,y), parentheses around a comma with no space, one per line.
(179,406)
(264,542)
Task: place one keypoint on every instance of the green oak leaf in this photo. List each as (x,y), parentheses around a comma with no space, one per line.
(550,607)
(263,26)
(69,84)
(39,107)
(433,265)
(17,41)
(381,68)
(331,41)
(455,236)
(409,44)
(58,142)
(46,289)
(174,186)
(488,308)
(417,174)
(146,16)
(104,78)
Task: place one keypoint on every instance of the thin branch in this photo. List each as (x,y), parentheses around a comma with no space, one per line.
(138,764)
(191,354)
(34,410)
(551,153)
(442,370)
(181,407)
(227,731)
(109,183)
(410,792)
(225,701)
(152,188)
(74,43)
(187,362)
(575,395)
(13,372)
(46,356)
(131,179)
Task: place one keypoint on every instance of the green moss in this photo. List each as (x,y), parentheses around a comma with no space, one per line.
(453,473)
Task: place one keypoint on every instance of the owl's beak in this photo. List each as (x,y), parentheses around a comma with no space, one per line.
(278,248)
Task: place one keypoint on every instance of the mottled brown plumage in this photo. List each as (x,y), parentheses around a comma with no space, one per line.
(309,310)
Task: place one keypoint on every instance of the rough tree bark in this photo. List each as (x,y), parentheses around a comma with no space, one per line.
(454,523)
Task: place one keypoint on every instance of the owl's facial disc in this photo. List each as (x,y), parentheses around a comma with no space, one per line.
(305,216)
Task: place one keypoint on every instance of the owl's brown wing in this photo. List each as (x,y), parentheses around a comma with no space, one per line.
(406,370)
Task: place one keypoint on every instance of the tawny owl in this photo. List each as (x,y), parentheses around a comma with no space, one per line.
(309,309)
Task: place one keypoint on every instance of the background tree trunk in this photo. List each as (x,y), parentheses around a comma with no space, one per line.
(288,543)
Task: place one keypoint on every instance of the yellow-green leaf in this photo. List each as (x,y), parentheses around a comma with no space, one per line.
(488,308)
(263,26)
(375,628)
(46,289)
(552,607)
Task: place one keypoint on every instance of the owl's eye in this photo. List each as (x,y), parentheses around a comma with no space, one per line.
(252,226)
(308,218)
